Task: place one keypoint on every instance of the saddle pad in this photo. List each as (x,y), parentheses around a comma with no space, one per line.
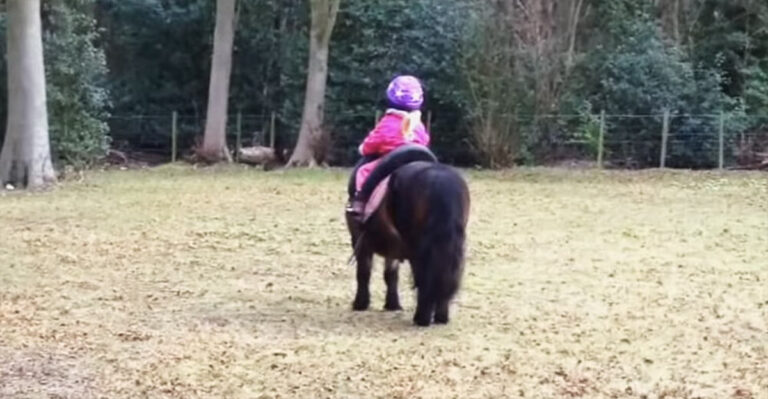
(376,197)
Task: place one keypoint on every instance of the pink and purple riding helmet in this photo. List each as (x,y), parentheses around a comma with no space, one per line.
(406,92)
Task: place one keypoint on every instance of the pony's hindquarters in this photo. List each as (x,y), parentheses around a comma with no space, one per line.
(438,261)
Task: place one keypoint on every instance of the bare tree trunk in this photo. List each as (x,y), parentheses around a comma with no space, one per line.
(214,147)
(572,33)
(26,156)
(308,151)
(671,14)
(747,33)
(676,21)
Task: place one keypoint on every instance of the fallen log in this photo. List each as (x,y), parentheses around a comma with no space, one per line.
(257,155)
(757,166)
(115,157)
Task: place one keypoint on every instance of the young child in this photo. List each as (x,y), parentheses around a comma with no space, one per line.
(400,125)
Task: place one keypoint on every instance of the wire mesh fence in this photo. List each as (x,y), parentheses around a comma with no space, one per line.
(156,132)
(618,141)
(636,141)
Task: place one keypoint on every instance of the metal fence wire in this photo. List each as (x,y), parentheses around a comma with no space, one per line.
(613,140)
(155,132)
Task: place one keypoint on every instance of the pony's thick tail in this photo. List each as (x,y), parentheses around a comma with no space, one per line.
(441,250)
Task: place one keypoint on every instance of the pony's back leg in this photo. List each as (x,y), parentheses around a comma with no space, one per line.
(425,296)
(425,306)
(443,303)
(446,283)
(435,291)
(437,273)
(364,263)
(441,312)
(392,302)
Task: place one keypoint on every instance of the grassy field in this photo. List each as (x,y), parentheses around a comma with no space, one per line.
(233,283)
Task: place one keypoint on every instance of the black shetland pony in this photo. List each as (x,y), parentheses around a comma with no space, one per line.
(422,218)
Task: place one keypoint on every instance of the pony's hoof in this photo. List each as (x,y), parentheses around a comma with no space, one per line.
(441,318)
(360,305)
(421,321)
(393,308)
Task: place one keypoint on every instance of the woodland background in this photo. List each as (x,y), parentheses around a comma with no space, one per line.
(508,82)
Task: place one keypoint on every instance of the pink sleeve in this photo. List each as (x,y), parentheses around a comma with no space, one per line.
(373,143)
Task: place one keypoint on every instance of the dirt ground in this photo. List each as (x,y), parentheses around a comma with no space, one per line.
(233,283)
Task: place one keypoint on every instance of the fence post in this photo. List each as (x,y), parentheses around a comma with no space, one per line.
(664,139)
(601,140)
(174,133)
(742,139)
(429,121)
(239,134)
(721,143)
(376,117)
(272,119)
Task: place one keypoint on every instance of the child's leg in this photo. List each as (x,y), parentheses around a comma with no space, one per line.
(362,173)
(352,185)
(357,205)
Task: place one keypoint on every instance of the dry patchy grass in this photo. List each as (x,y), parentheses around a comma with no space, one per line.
(233,283)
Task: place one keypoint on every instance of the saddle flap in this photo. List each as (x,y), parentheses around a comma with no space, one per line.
(376,198)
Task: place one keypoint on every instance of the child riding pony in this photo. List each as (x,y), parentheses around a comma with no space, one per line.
(400,125)
(418,212)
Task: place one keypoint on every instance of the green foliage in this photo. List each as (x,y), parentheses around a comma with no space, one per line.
(158,54)
(374,41)
(270,63)
(731,36)
(492,78)
(75,70)
(634,71)
(756,89)
(159,59)
(75,75)
(496,91)
(588,129)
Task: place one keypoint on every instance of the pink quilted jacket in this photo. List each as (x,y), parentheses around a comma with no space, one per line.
(393,130)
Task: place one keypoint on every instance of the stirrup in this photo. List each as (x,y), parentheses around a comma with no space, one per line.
(356,210)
